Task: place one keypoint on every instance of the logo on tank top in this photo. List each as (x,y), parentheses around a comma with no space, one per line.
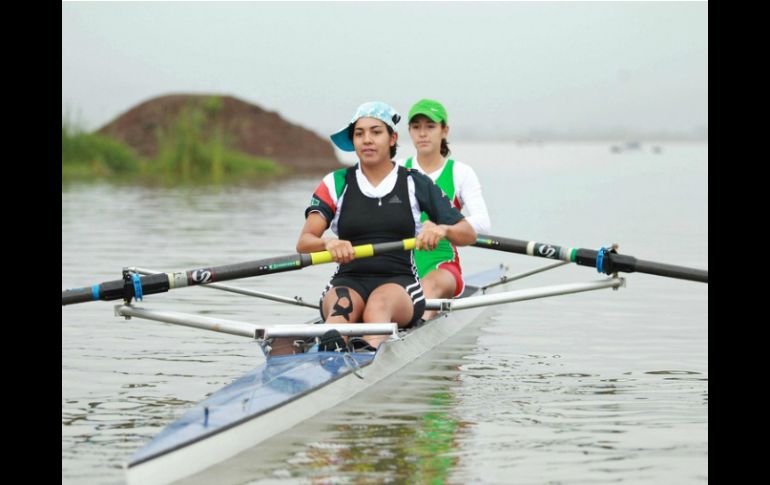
(394,199)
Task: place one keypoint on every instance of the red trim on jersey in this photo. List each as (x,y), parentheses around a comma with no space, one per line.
(322,192)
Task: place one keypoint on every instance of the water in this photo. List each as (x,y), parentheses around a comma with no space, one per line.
(598,387)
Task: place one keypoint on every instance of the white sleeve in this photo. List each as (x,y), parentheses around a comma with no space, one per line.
(471,198)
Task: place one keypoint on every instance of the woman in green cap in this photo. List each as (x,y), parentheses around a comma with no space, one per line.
(439,270)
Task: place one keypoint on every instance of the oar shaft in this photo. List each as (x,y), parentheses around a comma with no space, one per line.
(241,291)
(672,271)
(629,264)
(612,262)
(160,283)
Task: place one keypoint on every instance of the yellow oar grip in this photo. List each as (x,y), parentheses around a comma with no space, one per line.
(321,257)
(362,251)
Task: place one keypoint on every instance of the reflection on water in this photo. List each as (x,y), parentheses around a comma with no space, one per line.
(598,387)
(408,449)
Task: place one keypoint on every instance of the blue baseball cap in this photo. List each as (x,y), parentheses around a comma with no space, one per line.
(372,109)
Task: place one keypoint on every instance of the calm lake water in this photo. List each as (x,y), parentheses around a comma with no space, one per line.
(598,387)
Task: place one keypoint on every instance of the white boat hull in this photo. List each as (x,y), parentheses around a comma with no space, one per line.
(392,355)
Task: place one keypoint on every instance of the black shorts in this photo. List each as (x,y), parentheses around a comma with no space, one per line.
(365,285)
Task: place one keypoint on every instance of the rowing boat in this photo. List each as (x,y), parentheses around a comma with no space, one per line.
(286,390)
(289,389)
(283,392)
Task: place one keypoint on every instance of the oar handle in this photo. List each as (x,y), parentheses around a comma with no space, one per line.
(135,286)
(366,250)
(606,261)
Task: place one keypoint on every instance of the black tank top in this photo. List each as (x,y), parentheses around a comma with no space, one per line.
(367,220)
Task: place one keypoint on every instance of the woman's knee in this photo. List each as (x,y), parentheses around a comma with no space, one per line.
(438,284)
(391,306)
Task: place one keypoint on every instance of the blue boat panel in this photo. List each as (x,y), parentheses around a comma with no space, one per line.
(272,384)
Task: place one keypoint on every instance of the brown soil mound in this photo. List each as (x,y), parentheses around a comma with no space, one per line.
(251,130)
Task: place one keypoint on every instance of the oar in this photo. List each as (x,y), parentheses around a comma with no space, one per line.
(605,260)
(297,300)
(135,286)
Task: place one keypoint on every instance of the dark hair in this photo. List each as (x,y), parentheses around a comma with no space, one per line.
(444,144)
(351,129)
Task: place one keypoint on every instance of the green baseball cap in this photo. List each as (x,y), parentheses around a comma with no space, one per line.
(430,108)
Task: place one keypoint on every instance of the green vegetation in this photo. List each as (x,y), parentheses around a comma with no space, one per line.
(89,156)
(194,149)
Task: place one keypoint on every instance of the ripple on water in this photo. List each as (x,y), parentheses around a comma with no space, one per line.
(598,387)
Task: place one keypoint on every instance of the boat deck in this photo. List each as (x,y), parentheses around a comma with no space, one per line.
(275,383)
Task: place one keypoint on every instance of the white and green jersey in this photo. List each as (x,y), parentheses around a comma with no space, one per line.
(460,184)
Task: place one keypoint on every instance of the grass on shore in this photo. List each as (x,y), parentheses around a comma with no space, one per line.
(187,153)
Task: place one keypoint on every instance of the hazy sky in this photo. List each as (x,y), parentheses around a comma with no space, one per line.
(500,68)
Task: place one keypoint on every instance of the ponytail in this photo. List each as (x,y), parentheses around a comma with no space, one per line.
(444,144)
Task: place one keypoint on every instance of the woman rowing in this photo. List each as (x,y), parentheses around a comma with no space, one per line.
(439,270)
(374,201)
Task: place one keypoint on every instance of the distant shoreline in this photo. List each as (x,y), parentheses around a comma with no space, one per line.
(563,139)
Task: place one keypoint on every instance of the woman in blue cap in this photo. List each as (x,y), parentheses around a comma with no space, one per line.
(375,201)
(440,270)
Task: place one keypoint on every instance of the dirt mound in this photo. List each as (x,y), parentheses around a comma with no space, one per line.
(249,128)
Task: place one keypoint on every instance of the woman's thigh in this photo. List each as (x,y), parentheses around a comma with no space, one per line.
(439,283)
(342,304)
